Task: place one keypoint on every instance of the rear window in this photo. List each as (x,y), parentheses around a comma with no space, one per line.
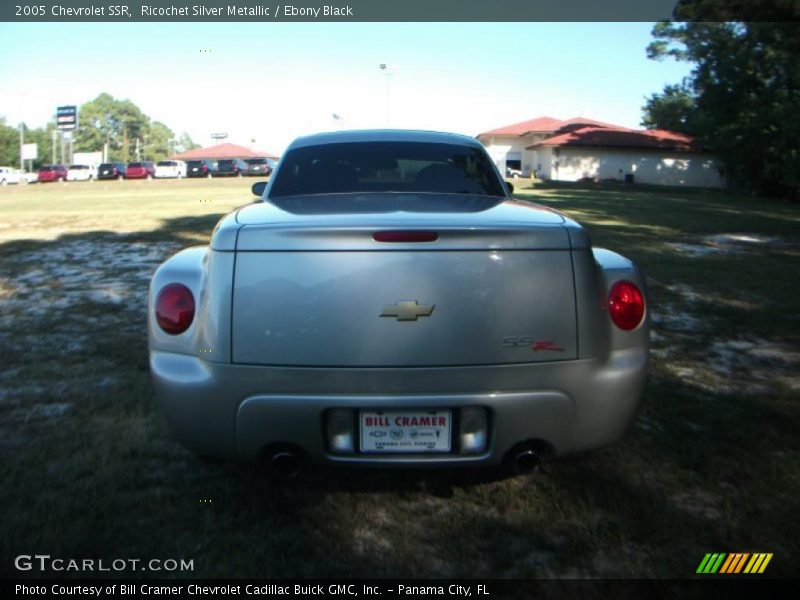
(256,161)
(78,167)
(226,163)
(107,166)
(136,165)
(167,163)
(420,167)
(194,163)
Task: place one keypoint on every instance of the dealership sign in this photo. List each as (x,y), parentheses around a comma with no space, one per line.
(66,118)
(30,152)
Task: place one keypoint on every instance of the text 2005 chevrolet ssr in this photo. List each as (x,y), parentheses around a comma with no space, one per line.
(388,303)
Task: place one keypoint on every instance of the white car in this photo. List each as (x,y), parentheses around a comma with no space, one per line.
(10,175)
(81,173)
(170,168)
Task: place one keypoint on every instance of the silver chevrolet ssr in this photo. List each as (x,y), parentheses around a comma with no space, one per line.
(387,302)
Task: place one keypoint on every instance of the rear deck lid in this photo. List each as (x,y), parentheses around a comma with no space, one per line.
(319,291)
(349,222)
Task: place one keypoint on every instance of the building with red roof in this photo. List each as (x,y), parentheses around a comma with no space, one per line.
(585,149)
(220,151)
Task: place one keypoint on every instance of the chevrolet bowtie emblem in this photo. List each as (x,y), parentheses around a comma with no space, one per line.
(407,310)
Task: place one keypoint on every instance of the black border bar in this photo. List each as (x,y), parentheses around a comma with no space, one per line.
(383,589)
(65,11)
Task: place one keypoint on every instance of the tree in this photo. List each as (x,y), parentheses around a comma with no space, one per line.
(43,138)
(742,99)
(106,120)
(9,144)
(160,140)
(184,143)
(672,109)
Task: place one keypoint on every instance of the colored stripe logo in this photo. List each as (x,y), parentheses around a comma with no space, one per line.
(736,562)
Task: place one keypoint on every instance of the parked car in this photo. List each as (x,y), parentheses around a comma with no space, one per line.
(111,171)
(170,169)
(262,167)
(49,173)
(30,177)
(228,167)
(81,173)
(200,168)
(514,173)
(9,175)
(388,302)
(140,170)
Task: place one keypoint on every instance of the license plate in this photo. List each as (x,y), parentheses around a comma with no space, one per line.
(194,168)
(106,172)
(405,431)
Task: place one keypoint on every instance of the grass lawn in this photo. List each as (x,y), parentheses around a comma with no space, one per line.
(711,465)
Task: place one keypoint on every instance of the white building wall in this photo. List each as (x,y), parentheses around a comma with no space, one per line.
(653,167)
(543,162)
(500,146)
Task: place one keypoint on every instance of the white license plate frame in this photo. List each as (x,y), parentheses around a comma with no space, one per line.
(420,431)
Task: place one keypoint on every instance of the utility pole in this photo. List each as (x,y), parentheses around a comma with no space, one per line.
(388,71)
(21,144)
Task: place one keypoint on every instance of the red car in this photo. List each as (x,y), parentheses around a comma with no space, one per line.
(140,170)
(52,173)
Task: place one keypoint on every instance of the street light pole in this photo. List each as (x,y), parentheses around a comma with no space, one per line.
(388,70)
(21,147)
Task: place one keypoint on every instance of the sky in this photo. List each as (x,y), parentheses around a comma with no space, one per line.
(266,83)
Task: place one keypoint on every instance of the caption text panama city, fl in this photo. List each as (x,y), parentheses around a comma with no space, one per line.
(176,12)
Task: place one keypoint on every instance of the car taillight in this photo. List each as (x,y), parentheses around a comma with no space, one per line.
(205,168)
(626,305)
(175,308)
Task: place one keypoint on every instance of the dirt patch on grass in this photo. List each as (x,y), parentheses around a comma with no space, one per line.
(687,344)
(58,303)
(728,243)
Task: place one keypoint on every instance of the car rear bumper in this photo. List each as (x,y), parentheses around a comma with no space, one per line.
(236,411)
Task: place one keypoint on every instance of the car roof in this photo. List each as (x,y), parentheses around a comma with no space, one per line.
(385,135)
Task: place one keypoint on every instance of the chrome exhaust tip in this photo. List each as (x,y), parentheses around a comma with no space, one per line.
(525,461)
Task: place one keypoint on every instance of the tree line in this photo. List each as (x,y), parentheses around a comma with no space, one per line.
(742,97)
(105,120)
